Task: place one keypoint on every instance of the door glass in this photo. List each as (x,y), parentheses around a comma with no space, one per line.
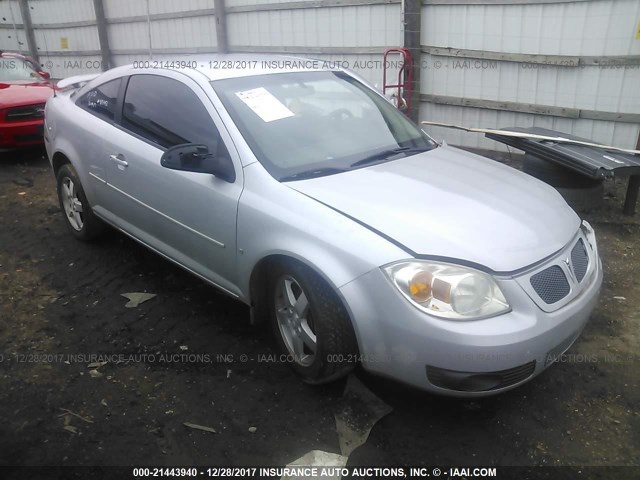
(168,113)
(102,100)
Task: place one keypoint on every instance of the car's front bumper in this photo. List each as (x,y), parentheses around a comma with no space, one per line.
(399,341)
(21,134)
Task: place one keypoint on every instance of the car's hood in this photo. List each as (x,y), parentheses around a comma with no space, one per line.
(13,94)
(454,204)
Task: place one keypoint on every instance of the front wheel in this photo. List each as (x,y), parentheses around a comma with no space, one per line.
(79,216)
(310,324)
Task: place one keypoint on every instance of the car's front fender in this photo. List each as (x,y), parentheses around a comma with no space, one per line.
(274,219)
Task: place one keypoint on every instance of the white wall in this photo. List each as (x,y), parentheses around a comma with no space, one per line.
(591,28)
(8,38)
(357,35)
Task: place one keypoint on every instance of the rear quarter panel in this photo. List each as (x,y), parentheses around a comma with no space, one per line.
(66,126)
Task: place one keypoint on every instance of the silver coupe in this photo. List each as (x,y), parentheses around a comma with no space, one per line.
(300,190)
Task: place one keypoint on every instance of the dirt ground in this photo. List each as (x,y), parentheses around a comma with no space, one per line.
(60,303)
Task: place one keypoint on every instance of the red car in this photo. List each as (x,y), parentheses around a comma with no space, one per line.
(24,89)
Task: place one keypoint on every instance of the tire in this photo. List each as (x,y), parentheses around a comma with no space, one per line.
(78,215)
(324,319)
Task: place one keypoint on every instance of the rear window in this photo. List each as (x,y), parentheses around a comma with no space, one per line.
(102,100)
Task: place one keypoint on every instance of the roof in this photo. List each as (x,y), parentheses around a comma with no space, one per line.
(212,66)
(221,66)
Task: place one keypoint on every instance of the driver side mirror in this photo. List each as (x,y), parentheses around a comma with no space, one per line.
(192,157)
(45,75)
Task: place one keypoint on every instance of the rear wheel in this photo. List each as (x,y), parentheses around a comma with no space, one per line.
(79,216)
(310,324)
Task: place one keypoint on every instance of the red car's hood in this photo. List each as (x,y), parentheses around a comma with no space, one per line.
(13,94)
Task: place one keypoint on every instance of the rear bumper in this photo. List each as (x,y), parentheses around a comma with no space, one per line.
(21,134)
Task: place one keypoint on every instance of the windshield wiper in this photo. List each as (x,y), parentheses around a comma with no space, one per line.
(387,154)
(376,157)
(318,172)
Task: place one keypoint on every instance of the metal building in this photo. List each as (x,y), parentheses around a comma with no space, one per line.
(568,65)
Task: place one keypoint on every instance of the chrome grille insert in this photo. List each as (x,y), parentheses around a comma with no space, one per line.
(557,282)
(551,284)
(579,260)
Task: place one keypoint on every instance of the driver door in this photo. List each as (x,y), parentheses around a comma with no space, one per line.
(189,217)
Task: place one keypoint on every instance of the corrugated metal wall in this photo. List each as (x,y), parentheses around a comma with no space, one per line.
(11,38)
(82,38)
(570,93)
(157,27)
(350,31)
(579,29)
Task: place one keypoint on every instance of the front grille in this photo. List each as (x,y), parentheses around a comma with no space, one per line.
(479,381)
(29,112)
(579,260)
(551,284)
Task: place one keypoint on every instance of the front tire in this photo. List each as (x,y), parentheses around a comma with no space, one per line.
(310,324)
(79,217)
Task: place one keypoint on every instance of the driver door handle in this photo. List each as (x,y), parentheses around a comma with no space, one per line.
(118,160)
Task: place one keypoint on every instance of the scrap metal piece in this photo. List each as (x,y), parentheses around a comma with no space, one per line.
(359,410)
(318,458)
(551,138)
(136,298)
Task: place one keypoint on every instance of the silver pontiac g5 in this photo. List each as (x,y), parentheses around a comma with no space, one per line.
(302,192)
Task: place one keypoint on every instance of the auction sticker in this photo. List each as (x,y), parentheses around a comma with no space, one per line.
(265,105)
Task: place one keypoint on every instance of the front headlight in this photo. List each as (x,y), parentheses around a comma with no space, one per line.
(448,291)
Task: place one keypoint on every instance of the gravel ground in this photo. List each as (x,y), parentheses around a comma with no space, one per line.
(60,303)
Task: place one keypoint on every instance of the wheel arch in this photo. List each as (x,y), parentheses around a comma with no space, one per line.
(65,153)
(258,300)
(57,161)
(259,277)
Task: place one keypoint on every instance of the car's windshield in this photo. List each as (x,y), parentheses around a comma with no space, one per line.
(306,124)
(16,69)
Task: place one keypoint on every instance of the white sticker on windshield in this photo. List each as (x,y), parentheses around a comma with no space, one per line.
(265,105)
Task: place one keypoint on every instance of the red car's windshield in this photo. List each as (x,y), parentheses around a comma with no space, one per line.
(16,69)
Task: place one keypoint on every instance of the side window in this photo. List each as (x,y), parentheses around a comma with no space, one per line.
(102,100)
(167,112)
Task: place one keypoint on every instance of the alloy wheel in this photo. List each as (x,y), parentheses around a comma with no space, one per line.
(72,204)
(294,320)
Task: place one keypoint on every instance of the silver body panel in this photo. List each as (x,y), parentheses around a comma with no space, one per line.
(445,203)
(400,340)
(433,201)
